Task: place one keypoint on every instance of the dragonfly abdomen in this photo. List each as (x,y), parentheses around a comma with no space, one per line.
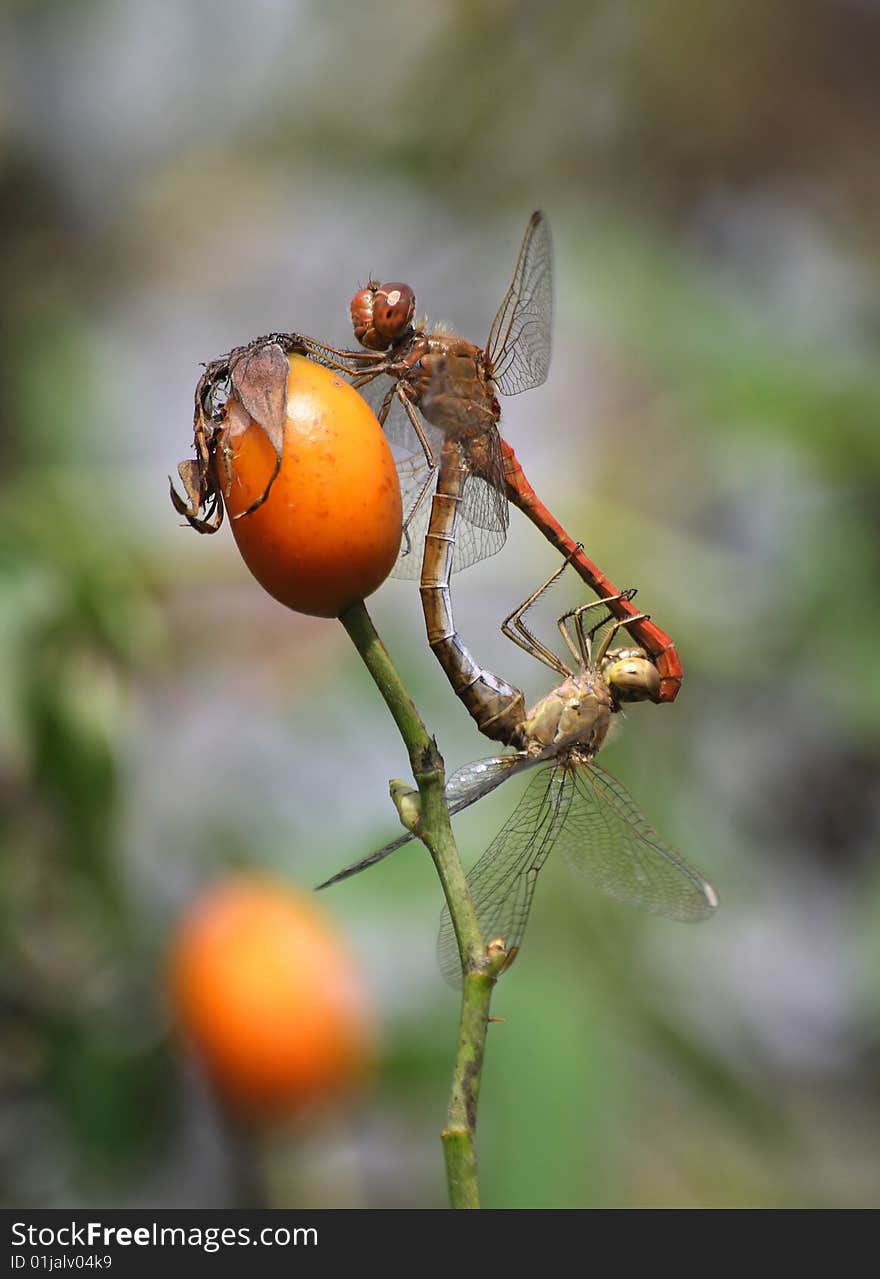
(497,707)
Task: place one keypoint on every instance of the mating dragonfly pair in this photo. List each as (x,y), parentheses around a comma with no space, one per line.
(435,396)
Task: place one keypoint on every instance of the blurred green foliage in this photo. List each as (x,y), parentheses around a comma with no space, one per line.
(79,619)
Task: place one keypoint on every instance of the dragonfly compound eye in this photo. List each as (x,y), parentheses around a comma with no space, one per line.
(362,318)
(393,309)
(631,676)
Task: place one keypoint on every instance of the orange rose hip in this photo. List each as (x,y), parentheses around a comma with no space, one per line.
(329,531)
(269,998)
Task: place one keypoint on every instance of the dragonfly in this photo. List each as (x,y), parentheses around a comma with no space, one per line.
(571,803)
(443,388)
(497,708)
(427,386)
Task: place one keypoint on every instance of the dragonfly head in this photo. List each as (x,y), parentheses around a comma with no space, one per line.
(382,313)
(631,675)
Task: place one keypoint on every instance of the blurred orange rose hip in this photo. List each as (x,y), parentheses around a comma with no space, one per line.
(269,998)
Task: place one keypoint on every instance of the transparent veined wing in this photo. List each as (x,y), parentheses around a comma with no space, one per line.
(356,867)
(502,883)
(416,501)
(412,471)
(472,781)
(398,428)
(481,527)
(463,788)
(608,840)
(484,501)
(519,341)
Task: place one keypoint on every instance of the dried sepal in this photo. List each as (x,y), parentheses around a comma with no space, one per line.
(248,384)
(202,505)
(203,510)
(259,378)
(259,382)
(236,420)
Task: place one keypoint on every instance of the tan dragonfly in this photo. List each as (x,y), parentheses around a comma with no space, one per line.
(571,804)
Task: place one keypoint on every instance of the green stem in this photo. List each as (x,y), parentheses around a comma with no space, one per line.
(435,832)
(422,749)
(459,1146)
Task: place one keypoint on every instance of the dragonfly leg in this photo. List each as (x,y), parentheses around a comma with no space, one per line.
(360,380)
(382,415)
(423,493)
(515,629)
(655,642)
(612,631)
(658,644)
(400,391)
(360,366)
(385,406)
(582,651)
(586,637)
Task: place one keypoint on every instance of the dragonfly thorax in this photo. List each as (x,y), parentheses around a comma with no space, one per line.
(576,713)
(453,387)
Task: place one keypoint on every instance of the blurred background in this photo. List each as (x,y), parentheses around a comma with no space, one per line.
(180,177)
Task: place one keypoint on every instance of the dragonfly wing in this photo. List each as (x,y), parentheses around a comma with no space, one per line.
(502,883)
(484,501)
(365,862)
(481,526)
(412,472)
(464,787)
(519,340)
(483,517)
(471,782)
(609,840)
(397,426)
(480,531)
